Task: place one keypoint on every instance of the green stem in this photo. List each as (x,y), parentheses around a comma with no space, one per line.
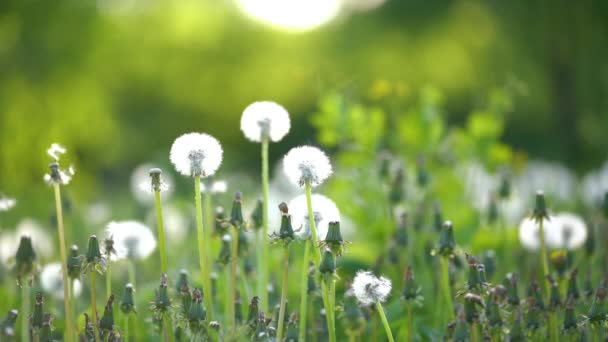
(351,337)
(332,304)
(169,328)
(227,303)
(283,292)
(63,253)
(108,279)
(94,307)
(317,261)
(304,292)
(543,256)
(72,303)
(387,327)
(473,332)
(263,267)
(410,326)
(126,332)
(201,247)
(161,233)
(311,319)
(233,260)
(445,282)
(25,308)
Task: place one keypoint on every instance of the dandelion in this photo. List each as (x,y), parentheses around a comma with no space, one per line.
(132,240)
(142,189)
(286,236)
(307,165)
(529,233)
(41,240)
(199,155)
(93,262)
(6,203)
(7,325)
(127,306)
(24,269)
(369,290)
(324,211)
(445,249)
(52,282)
(568,231)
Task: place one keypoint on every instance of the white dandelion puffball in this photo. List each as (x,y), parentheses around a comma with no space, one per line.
(132,239)
(370,289)
(265,119)
(7,203)
(306,164)
(529,233)
(55,151)
(141,184)
(52,281)
(324,211)
(570,231)
(196,154)
(217,187)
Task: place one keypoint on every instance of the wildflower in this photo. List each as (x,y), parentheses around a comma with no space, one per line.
(573,291)
(184,291)
(216,187)
(327,267)
(411,291)
(597,312)
(493,308)
(559,261)
(196,154)
(225,250)
(265,120)
(37,314)
(58,176)
(52,281)
(236,214)
(93,261)
(447,243)
(73,264)
(569,231)
(42,241)
(132,239)
(257,215)
(162,303)
(25,260)
(6,203)
(306,164)
(510,284)
(471,302)
(476,274)
(286,233)
(540,208)
(106,324)
(127,302)
(333,239)
(370,289)
(324,211)
(146,179)
(7,325)
(529,234)
(197,313)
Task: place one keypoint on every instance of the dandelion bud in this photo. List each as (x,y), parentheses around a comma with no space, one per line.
(225,250)
(7,325)
(573,291)
(516,333)
(423,174)
(236,214)
(73,263)
(127,302)
(570,323)
(106,324)
(327,267)
(597,312)
(38,314)
(411,291)
(474,282)
(447,243)
(461,329)
(257,216)
(162,301)
(108,245)
(25,259)
(437,217)
(156,183)
(471,302)
(93,252)
(559,261)
(221,223)
(254,312)
(535,292)
(333,239)
(555,300)
(510,284)
(396,193)
(307,164)
(286,231)
(533,316)
(182,281)
(540,207)
(197,313)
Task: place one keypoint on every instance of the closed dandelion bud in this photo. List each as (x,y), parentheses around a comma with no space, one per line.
(471,302)
(257,216)
(559,261)
(493,309)
(88,333)
(474,281)
(461,329)
(127,302)
(510,284)
(254,312)
(555,300)
(25,259)
(573,291)
(504,190)
(292,329)
(489,261)
(401,234)
(540,207)
(106,324)
(328,263)
(411,288)
(156,183)
(38,314)
(334,239)
(597,312)
(447,243)
(197,313)
(220,222)
(74,264)
(162,301)
(236,214)
(7,326)
(437,217)
(225,252)
(422,173)
(286,230)
(243,247)
(570,323)
(492,210)
(533,316)
(516,333)
(535,292)
(396,193)
(93,251)
(46,329)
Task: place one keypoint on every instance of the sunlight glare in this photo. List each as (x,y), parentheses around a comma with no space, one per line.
(294,15)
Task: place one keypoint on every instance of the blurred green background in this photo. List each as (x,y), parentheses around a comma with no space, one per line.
(116,81)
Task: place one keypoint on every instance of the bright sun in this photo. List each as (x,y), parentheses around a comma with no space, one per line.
(294,15)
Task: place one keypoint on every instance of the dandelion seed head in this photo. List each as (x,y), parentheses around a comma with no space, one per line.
(370,289)
(217,187)
(7,203)
(196,154)
(529,233)
(132,239)
(55,151)
(265,119)
(324,211)
(569,231)
(52,281)
(307,163)
(141,184)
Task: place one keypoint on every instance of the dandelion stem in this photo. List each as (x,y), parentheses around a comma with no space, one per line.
(131,271)
(25,308)
(161,233)
(543,256)
(201,246)
(284,292)
(304,292)
(317,261)
(473,332)
(387,327)
(94,307)
(108,279)
(126,332)
(64,271)
(233,260)
(445,282)
(72,303)
(169,328)
(410,326)
(263,267)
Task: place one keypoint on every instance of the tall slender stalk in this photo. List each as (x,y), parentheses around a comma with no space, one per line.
(410,326)
(543,257)
(126,332)
(131,271)
(317,260)
(233,262)
(108,280)
(284,292)
(25,309)
(445,282)
(304,292)
(169,328)
(201,247)
(161,232)
(64,263)
(263,267)
(72,304)
(387,327)
(94,307)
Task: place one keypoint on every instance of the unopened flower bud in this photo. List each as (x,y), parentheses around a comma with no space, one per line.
(127,302)
(73,263)
(446,241)
(540,207)
(7,325)
(25,259)
(236,214)
(106,324)
(257,216)
(328,263)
